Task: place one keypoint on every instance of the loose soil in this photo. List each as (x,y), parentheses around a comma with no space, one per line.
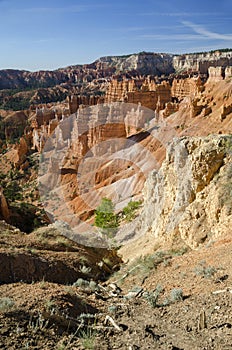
(122,313)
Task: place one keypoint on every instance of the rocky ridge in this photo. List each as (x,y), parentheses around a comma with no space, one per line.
(144,63)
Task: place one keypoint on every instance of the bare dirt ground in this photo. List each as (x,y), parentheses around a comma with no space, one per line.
(168,300)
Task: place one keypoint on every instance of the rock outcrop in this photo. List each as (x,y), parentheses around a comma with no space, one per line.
(186,87)
(145,92)
(216,73)
(118,89)
(170,108)
(143,63)
(190,196)
(200,62)
(74,101)
(225,110)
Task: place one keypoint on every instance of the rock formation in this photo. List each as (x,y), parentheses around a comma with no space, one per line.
(216,73)
(74,101)
(225,110)
(189,197)
(143,63)
(179,107)
(186,87)
(145,92)
(200,62)
(170,108)
(118,89)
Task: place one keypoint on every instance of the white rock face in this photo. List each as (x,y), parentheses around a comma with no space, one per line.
(202,61)
(144,63)
(191,195)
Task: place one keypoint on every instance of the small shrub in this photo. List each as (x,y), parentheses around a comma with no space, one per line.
(104,215)
(81,283)
(50,306)
(129,212)
(176,294)
(6,304)
(38,323)
(87,338)
(93,286)
(152,297)
(179,252)
(43,284)
(205,271)
(63,241)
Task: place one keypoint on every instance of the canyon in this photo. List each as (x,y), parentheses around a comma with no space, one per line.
(150,129)
(141,116)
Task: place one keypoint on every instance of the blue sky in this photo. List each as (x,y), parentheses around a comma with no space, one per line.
(49,34)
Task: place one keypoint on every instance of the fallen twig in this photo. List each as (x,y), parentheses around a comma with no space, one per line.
(108,318)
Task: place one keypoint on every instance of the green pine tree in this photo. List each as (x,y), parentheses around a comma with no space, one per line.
(105,218)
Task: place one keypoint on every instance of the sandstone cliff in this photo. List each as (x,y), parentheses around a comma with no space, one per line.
(186,87)
(190,196)
(139,91)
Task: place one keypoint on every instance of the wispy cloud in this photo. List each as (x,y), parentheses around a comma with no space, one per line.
(200,33)
(181,14)
(140,29)
(171,37)
(204,33)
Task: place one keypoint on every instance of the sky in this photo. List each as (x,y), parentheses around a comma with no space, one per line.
(50,34)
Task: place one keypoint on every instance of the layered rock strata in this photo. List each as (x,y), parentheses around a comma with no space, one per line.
(147,93)
(186,87)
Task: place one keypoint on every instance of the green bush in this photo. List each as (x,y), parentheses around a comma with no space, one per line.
(13,191)
(105,218)
(129,212)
